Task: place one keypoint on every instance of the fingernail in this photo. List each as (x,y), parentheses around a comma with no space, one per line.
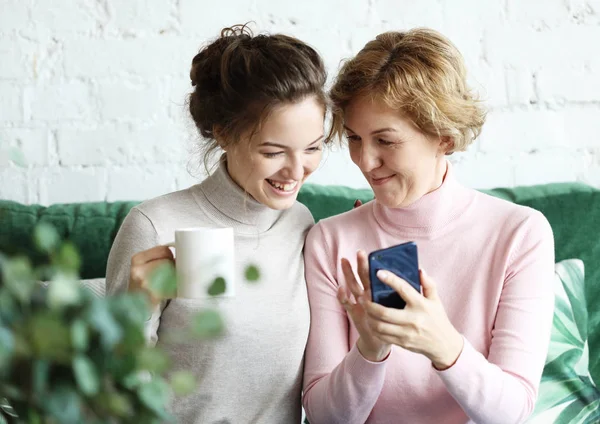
(383,274)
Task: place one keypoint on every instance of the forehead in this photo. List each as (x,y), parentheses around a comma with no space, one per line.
(293,123)
(367,114)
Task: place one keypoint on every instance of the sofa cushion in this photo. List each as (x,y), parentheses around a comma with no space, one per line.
(92,227)
(567,392)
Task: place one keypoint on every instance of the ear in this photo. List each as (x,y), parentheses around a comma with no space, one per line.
(217,134)
(446,145)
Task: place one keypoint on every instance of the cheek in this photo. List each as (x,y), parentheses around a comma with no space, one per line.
(354,153)
(313,161)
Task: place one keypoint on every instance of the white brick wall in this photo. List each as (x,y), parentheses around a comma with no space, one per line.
(93,92)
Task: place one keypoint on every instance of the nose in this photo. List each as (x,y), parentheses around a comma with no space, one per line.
(368,157)
(294,168)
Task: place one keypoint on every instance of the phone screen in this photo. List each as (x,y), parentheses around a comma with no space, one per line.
(401,260)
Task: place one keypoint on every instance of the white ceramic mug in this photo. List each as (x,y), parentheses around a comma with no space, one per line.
(203,255)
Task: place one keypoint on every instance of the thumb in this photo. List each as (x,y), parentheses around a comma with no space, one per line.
(428,285)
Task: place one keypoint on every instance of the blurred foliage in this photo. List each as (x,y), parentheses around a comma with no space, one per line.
(67,356)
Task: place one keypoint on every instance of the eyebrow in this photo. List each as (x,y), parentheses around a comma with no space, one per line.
(281,146)
(387,129)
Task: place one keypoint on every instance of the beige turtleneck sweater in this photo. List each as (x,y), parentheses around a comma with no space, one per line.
(253,373)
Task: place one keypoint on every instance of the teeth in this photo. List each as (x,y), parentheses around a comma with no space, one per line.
(284,187)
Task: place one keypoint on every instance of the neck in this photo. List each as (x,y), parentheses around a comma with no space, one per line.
(230,206)
(431,212)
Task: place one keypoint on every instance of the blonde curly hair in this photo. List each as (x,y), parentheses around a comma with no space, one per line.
(421,74)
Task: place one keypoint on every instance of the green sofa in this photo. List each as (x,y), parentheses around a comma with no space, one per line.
(572,209)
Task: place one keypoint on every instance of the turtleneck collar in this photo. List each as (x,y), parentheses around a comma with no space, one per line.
(429,215)
(229,205)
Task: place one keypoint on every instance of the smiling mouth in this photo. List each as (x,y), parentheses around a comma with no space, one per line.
(383,180)
(283,187)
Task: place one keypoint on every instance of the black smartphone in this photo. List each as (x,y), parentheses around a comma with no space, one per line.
(401,260)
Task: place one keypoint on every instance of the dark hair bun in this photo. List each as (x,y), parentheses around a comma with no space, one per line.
(239,77)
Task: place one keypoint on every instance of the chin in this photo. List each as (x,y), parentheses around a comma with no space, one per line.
(280,205)
(391,200)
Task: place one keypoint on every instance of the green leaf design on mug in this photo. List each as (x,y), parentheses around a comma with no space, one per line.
(252,273)
(217,287)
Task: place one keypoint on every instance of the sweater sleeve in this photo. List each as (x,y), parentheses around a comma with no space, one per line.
(340,385)
(135,235)
(503,388)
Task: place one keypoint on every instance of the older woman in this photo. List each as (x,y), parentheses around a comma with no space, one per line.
(471,346)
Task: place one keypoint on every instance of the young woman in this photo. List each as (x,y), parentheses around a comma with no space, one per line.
(259,100)
(471,347)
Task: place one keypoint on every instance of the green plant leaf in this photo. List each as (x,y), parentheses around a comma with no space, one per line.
(132,307)
(45,237)
(17,157)
(100,318)
(12,392)
(163,281)
(67,258)
(18,277)
(118,404)
(6,408)
(183,383)
(79,335)
(41,371)
(63,290)
(135,379)
(7,346)
(153,360)
(8,311)
(49,337)
(217,287)
(86,375)
(207,323)
(155,395)
(64,405)
(252,273)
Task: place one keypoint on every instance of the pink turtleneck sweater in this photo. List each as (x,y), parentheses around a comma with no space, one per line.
(493,264)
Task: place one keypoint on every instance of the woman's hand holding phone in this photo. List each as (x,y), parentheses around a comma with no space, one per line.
(422,326)
(351,297)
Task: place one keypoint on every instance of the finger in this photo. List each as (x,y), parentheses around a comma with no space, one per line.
(351,282)
(428,285)
(384,329)
(157,252)
(400,286)
(343,297)
(381,313)
(141,273)
(363,271)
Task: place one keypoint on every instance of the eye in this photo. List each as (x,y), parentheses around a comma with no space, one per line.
(384,142)
(352,138)
(313,149)
(272,154)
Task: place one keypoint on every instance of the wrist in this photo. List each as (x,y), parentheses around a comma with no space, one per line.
(453,352)
(372,354)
